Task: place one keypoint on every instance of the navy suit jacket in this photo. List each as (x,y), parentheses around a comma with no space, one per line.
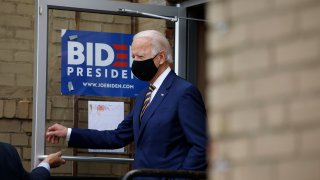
(11,167)
(172,133)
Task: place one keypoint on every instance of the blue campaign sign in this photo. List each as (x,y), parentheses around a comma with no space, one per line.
(98,64)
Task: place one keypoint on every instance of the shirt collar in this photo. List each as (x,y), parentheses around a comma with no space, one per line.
(161,78)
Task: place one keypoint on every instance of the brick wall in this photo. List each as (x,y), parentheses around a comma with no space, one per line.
(16,48)
(16,63)
(16,77)
(264,89)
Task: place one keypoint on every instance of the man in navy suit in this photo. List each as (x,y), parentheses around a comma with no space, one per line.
(11,167)
(167,123)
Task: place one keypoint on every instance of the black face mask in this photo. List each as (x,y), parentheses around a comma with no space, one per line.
(144,70)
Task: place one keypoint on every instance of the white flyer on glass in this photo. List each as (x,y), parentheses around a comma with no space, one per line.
(105,115)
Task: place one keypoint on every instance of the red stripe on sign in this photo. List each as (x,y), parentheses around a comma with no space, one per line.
(120,64)
(122,56)
(120,46)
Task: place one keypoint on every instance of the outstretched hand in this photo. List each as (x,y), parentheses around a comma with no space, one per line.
(55,132)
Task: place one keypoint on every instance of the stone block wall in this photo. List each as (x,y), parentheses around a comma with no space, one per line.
(16,48)
(264,89)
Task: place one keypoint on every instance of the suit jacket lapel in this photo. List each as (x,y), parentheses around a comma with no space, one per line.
(155,103)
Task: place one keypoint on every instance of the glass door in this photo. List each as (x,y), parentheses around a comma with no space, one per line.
(54,19)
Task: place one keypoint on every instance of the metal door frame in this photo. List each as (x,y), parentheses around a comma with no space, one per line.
(41,52)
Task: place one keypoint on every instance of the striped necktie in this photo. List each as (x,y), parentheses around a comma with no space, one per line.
(147,99)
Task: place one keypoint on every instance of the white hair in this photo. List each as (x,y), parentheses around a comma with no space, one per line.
(159,42)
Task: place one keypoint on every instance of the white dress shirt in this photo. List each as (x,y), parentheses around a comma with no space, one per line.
(159,81)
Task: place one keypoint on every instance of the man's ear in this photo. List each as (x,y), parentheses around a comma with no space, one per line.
(163,57)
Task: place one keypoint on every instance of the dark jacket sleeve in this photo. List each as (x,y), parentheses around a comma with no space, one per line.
(39,173)
(11,166)
(108,139)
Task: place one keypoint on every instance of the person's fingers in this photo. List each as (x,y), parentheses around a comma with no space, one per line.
(56,159)
(49,138)
(54,133)
(53,140)
(53,127)
(59,153)
(62,161)
(51,133)
(57,139)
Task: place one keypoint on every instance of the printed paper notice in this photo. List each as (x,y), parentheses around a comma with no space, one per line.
(105,115)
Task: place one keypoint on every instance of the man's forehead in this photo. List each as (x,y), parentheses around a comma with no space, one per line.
(141,50)
(141,43)
(141,40)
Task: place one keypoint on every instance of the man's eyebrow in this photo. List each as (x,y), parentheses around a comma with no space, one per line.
(138,55)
